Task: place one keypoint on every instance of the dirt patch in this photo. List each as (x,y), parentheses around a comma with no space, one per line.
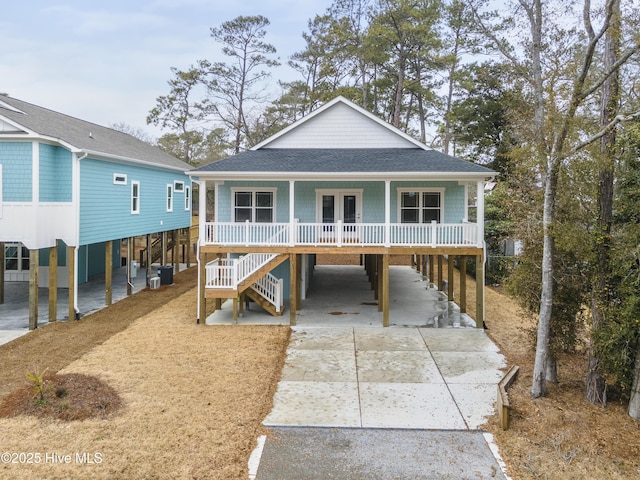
(68,397)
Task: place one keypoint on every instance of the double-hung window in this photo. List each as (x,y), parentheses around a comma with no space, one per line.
(421,206)
(135,197)
(169,198)
(256,206)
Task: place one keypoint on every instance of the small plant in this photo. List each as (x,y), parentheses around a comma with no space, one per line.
(37,379)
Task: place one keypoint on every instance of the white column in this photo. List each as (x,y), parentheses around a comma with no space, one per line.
(202,209)
(387,213)
(292,213)
(466,203)
(480,212)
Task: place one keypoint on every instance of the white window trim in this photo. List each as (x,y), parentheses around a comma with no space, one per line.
(187,198)
(253,191)
(19,257)
(119,178)
(339,192)
(420,191)
(169,202)
(135,211)
(178,186)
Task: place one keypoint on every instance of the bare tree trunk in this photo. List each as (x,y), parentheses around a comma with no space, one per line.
(595,382)
(397,103)
(539,384)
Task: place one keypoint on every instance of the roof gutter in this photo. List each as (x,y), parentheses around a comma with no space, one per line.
(122,159)
(345,176)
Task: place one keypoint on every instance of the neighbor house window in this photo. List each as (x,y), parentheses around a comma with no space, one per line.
(135,197)
(187,198)
(421,206)
(254,206)
(16,257)
(178,186)
(119,179)
(169,198)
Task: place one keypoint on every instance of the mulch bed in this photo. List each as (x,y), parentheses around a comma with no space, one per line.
(68,397)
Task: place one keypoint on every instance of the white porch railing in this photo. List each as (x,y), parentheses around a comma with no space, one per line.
(342,234)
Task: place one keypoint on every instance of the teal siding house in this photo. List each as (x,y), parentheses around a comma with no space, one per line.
(338,181)
(70,193)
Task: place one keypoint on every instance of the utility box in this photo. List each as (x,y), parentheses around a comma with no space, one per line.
(154,282)
(166,274)
(134,269)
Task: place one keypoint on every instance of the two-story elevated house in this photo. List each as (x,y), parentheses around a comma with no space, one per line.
(70,192)
(338,181)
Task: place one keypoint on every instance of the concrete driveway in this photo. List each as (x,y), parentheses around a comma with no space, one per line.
(398,402)
(387,378)
(357,400)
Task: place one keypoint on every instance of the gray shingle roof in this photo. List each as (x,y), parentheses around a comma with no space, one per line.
(77,132)
(344,161)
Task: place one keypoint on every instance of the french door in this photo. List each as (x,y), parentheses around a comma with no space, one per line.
(334,206)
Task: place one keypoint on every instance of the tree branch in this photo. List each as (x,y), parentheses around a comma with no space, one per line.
(610,126)
(621,61)
(499,45)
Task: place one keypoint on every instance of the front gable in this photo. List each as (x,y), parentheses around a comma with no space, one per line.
(340,124)
(10,128)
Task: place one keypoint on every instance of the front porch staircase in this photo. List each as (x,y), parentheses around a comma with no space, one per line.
(249,276)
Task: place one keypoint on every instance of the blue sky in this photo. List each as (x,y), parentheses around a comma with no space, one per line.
(106,62)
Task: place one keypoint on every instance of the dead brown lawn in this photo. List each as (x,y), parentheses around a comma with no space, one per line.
(194,396)
(194,399)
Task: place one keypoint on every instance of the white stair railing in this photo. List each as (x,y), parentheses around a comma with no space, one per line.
(270,288)
(230,272)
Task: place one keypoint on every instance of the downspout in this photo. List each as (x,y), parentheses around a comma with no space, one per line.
(202,218)
(76,184)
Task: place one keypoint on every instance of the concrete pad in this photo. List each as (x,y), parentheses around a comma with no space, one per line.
(320,366)
(389,339)
(336,338)
(457,340)
(7,335)
(409,405)
(470,367)
(397,367)
(475,401)
(344,453)
(319,404)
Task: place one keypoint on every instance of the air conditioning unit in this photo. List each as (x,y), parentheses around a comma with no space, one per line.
(154,282)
